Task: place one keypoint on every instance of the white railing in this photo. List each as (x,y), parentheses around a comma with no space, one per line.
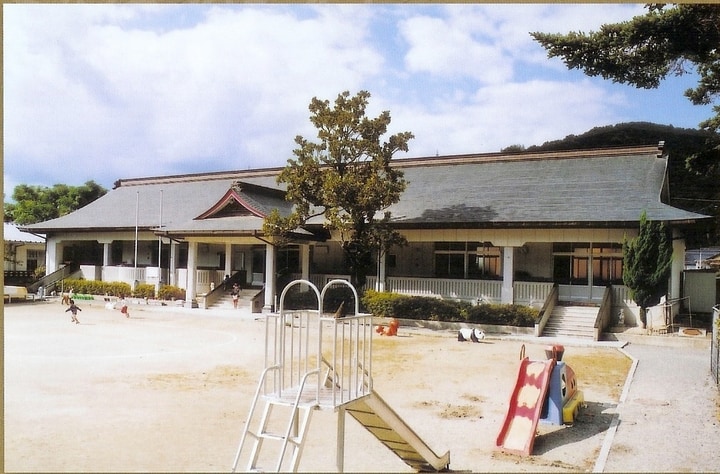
(205,279)
(482,291)
(531,293)
(126,274)
(487,290)
(301,342)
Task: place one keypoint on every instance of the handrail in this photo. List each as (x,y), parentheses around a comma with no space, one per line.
(53,277)
(602,320)
(296,404)
(252,410)
(546,310)
(215,294)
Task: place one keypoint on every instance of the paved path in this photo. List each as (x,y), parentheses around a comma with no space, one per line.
(669,419)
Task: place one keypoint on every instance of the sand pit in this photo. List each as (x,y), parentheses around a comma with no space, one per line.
(169,390)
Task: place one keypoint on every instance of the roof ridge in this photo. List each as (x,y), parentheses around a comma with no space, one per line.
(525,156)
(239,175)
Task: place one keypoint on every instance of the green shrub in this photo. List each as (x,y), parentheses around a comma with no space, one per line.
(94,287)
(170,292)
(393,305)
(386,304)
(144,290)
(503,314)
(381,303)
(427,308)
(39,272)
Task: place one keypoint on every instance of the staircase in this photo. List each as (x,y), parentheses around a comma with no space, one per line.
(244,301)
(576,322)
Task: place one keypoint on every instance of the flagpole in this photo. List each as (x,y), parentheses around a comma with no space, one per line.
(157,289)
(137,213)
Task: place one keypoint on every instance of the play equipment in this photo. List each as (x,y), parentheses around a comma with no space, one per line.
(517,434)
(316,361)
(390,330)
(470,334)
(563,399)
(544,390)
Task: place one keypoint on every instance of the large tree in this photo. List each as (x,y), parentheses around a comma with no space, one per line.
(40,203)
(647,262)
(345,177)
(644,50)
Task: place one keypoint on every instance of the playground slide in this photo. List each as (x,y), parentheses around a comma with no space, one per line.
(517,435)
(373,413)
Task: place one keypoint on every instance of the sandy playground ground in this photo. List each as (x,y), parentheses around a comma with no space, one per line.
(169,390)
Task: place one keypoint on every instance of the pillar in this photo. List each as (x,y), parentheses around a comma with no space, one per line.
(191,274)
(506,295)
(269,277)
(381,273)
(228,259)
(173,263)
(678,264)
(305,261)
(107,255)
(53,255)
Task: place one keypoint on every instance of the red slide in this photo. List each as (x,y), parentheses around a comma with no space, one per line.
(517,435)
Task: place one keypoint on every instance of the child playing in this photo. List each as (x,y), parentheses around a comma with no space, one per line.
(124,307)
(74,309)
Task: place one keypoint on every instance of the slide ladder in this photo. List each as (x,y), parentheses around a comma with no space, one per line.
(373,413)
(295,411)
(517,435)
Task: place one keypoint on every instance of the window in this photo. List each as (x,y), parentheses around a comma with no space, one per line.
(288,259)
(607,264)
(463,260)
(36,254)
(597,264)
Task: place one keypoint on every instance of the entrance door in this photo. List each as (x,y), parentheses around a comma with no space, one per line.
(258,266)
(584,270)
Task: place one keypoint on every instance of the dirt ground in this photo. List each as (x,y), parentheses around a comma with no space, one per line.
(169,390)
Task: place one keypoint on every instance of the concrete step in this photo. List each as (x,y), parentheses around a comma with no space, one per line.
(572,321)
(244,300)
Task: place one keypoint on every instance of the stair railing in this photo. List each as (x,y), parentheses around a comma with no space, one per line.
(603,319)
(50,280)
(546,310)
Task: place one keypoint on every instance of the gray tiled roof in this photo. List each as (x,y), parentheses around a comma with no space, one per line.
(592,187)
(11,233)
(565,188)
(182,201)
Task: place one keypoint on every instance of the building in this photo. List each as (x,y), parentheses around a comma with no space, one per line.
(23,253)
(483,227)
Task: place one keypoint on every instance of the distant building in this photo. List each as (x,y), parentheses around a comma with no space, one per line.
(492,227)
(23,253)
(704,258)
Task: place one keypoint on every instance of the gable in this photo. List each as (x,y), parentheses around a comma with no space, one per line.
(230,205)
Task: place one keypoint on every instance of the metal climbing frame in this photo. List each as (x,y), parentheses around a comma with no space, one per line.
(313,360)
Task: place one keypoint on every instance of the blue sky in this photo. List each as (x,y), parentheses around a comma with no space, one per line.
(102,92)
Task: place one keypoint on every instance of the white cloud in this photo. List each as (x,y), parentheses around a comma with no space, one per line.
(225,88)
(114,91)
(446,49)
(499,116)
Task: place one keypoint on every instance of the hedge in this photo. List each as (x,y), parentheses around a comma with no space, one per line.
(119,288)
(94,287)
(394,305)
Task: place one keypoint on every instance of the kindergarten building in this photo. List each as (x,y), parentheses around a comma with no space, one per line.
(495,227)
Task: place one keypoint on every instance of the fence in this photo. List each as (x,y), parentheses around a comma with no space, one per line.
(715,346)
